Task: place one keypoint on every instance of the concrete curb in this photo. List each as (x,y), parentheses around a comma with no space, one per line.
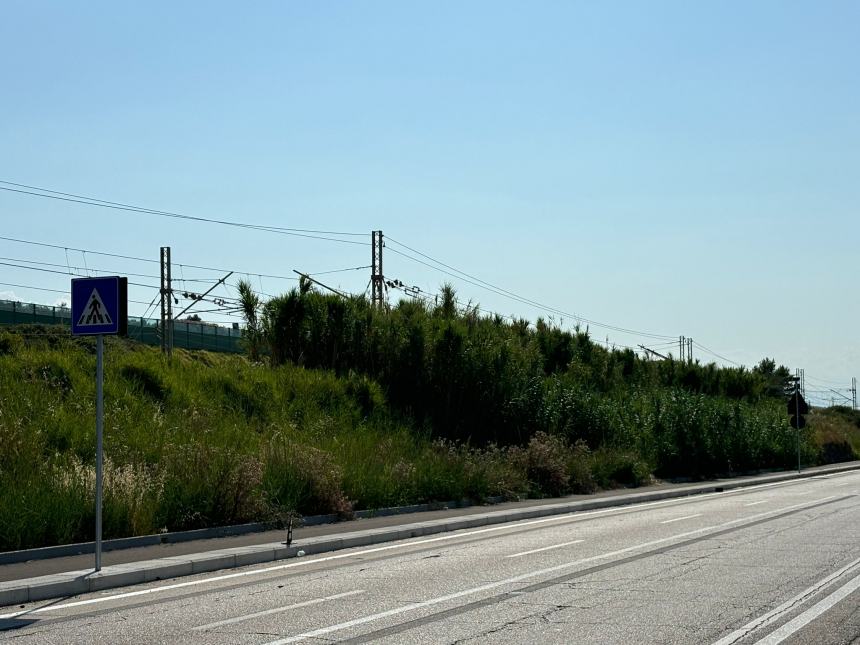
(80,548)
(78,582)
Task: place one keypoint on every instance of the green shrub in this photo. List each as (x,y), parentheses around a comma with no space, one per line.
(9,343)
(612,468)
(579,469)
(545,462)
(302,479)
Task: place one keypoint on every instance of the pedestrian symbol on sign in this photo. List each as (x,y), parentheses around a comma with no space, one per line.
(95,312)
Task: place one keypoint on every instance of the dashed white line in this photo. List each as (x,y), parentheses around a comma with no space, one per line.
(678,519)
(761,501)
(276,610)
(322,631)
(546,548)
(573,516)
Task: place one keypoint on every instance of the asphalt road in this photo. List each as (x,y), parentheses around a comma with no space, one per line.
(773,563)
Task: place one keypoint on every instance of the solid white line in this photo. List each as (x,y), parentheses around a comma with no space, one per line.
(322,631)
(811,614)
(572,516)
(678,519)
(546,548)
(761,501)
(788,605)
(276,610)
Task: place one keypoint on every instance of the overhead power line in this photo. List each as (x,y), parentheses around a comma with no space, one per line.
(713,353)
(488,286)
(139,259)
(340,270)
(824,381)
(66,273)
(77,268)
(66,292)
(29,286)
(37,191)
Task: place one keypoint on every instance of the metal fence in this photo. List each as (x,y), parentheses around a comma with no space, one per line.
(186,335)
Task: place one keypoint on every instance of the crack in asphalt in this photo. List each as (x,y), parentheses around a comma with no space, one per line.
(567,577)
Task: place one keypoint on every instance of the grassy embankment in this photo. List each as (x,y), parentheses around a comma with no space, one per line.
(213,439)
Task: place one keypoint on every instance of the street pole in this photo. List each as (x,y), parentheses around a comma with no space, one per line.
(99,428)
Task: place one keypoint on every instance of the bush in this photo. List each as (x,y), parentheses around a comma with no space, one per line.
(611,468)
(9,343)
(544,460)
(302,479)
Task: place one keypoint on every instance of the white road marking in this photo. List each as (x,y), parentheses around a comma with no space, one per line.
(322,631)
(790,604)
(546,548)
(761,501)
(574,516)
(276,610)
(678,519)
(570,517)
(811,614)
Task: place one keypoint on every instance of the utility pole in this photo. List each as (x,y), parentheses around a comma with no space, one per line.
(800,379)
(797,407)
(166,303)
(377,284)
(853,393)
(681,348)
(690,351)
(797,396)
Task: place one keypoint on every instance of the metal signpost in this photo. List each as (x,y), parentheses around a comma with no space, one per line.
(99,307)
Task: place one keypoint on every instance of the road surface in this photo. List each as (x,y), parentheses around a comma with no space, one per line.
(767,564)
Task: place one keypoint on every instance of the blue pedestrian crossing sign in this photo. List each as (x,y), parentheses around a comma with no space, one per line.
(99,306)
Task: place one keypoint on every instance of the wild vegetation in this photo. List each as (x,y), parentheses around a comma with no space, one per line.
(340,407)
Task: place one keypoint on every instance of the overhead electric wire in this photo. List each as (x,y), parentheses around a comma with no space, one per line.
(70,248)
(340,270)
(87,269)
(823,381)
(102,203)
(65,273)
(28,286)
(432,298)
(483,284)
(138,259)
(713,353)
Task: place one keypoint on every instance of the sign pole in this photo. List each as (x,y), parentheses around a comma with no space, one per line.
(99,431)
(99,307)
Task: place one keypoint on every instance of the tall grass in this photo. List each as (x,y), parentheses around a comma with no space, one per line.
(368,409)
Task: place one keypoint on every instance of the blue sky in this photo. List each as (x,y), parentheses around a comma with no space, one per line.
(670,167)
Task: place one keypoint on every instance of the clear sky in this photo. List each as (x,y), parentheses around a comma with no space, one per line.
(669,167)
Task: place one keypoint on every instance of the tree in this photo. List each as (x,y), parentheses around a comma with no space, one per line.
(250,304)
